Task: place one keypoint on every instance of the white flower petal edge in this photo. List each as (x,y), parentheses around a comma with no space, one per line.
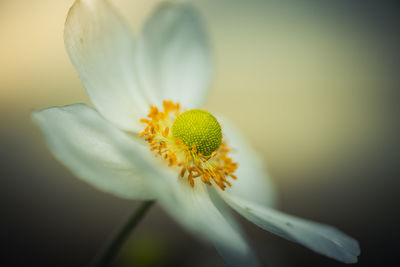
(229,256)
(253,183)
(173,56)
(320,238)
(102,49)
(193,208)
(92,148)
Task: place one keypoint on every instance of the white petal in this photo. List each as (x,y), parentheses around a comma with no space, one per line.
(174,56)
(318,237)
(101,47)
(196,212)
(253,183)
(229,256)
(93,149)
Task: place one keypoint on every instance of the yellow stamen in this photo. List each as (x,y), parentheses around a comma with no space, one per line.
(193,159)
(165,133)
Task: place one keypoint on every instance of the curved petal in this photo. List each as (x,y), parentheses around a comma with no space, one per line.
(174,56)
(101,47)
(93,149)
(253,183)
(193,208)
(229,256)
(320,238)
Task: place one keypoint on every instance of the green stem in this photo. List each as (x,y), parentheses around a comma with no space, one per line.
(109,251)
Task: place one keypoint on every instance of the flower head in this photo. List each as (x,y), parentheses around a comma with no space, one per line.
(155,88)
(193,143)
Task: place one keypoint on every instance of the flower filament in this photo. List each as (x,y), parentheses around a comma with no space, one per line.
(191,141)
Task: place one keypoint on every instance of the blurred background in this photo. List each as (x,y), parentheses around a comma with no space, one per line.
(313,84)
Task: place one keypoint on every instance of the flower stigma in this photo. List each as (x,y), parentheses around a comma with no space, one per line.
(191,141)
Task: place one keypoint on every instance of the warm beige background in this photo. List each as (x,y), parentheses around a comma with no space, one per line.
(312,85)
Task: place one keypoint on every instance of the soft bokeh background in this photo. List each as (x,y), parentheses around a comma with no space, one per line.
(313,84)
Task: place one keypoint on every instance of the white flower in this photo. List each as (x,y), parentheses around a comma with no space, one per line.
(123,78)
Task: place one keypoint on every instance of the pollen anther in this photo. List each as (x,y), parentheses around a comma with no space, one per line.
(193,159)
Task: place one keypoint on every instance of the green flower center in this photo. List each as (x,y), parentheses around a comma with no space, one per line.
(200,128)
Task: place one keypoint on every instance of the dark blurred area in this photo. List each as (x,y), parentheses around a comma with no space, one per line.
(328,96)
